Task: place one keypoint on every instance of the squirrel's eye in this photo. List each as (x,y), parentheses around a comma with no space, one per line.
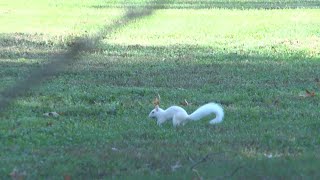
(152,112)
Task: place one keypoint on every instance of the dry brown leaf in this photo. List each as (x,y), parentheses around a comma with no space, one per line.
(49,123)
(17,174)
(156,101)
(185,103)
(308,94)
(67,177)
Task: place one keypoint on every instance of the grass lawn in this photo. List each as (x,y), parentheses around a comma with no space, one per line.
(256,58)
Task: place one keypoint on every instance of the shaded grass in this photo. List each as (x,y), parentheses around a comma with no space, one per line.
(212,4)
(103,130)
(174,4)
(101,98)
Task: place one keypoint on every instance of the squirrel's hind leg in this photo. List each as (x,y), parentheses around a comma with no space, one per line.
(184,122)
(175,121)
(178,119)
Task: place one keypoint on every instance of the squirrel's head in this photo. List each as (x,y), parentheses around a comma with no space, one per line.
(155,112)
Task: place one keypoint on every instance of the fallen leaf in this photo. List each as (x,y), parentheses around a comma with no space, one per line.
(317,80)
(49,123)
(17,174)
(67,177)
(51,114)
(115,149)
(307,94)
(198,177)
(176,166)
(271,155)
(310,94)
(156,101)
(276,102)
(185,103)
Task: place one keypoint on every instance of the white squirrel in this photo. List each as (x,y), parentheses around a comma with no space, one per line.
(180,116)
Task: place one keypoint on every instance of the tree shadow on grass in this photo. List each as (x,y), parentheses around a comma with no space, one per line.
(77,46)
(220,4)
(182,66)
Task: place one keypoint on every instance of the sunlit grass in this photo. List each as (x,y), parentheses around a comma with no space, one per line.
(249,31)
(55,20)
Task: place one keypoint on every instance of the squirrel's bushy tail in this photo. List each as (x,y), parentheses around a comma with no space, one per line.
(206,110)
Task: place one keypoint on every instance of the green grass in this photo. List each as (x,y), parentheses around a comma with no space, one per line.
(254,61)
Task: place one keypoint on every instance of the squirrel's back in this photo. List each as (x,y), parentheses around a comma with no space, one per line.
(176,109)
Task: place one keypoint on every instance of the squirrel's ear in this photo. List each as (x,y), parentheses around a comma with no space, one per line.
(157,107)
